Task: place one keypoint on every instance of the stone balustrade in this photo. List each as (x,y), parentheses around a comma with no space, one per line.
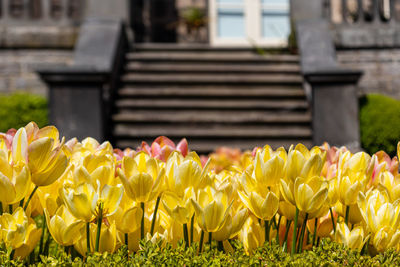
(364,23)
(41,12)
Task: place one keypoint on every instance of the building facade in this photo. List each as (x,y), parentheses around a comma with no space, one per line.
(39,33)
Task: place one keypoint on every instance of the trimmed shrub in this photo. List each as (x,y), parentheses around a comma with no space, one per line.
(18,109)
(327,254)
(379,123)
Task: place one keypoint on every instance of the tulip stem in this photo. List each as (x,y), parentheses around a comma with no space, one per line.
(221,246)
(315,232)
(191,229)
(333,220)
(364,249)
(210,238)
(30,197)
(294,235)
(153,221)
(303,230)
(88,237)
(267,225)
(99,222)
(346,219)
(41,244)
(201,241)
(277,229)
(126,239)
(288,223)
(47,245)
(142,223)
(186,234)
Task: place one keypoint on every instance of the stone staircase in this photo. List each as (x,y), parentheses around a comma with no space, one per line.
(212,96)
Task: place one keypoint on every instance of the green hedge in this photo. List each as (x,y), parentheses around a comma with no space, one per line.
(327,254)
(18,109)
(379,123)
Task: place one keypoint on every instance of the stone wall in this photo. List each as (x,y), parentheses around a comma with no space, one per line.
(17,68)
(381,69)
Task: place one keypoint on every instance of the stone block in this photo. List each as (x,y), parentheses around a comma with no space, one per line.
(39,37)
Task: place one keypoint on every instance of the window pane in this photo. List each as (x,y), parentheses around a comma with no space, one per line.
(231,23)
(275,25)
(275,19)
(230,1)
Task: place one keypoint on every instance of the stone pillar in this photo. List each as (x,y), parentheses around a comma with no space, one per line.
(81,94)
(335,108)
(306,9)
(108,9)
(334,89)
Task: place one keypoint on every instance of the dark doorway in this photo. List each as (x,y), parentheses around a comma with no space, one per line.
(154,20)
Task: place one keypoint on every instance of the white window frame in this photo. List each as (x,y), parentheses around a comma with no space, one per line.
(253,26)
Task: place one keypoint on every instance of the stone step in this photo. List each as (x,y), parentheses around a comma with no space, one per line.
(137,67)
(211,92)
(205,146)
(210,131)
(228,104)
(207,117)
(182,47)
(215,57)
(280,79)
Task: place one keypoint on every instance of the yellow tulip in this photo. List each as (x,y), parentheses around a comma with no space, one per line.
(47,161)
(80,201)
(377,213)
(263,208)
(134,237)
(307,195)
(179,209)
(128,220)
(390,184)
(63,226)
(32,237)
(354,239)
(182,173)
(268,171)
(212,209)
(232,226)
(385,239)
(141,177)
(348,190)
(84,201)
(14,182)
(304,163)
(107,241)
(14,228)
(96,168)
(252,235)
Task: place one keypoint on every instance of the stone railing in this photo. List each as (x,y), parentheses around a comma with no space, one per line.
(364,23)
(40,23)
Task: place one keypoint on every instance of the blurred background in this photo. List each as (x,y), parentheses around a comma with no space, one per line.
(238,73)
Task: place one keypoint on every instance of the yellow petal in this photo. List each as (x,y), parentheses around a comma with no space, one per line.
(20,146)
(7,191)
(39,154)
(111,196)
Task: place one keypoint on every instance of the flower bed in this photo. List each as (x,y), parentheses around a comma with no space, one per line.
(64,202)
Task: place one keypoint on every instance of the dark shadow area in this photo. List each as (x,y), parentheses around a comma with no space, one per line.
(154,20)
